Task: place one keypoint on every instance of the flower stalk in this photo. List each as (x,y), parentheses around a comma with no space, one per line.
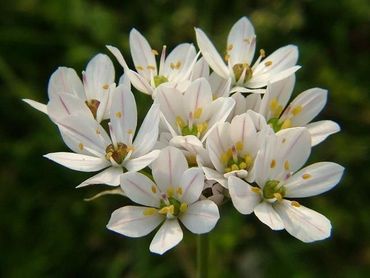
(202,255)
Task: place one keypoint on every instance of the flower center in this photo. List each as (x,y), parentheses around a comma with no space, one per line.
(159,79)
(196,129)
(172,207)
(93,105)
(233,161)
(243,71)
(273,190)
(118,153)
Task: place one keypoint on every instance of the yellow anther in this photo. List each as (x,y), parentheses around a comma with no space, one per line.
(154,189)
(176,65)
(243,165)
(130,131)
(273,163)
(283,141)
(230,47)
(296,110)
(155,52)
(295,204)
(192,160)
(81,146)
(256,189)
(286,124)
(183,207)
(226,156)
(247,40)
(198,113)
(118,114)
(227,170)
(105,86)
(274,104)
(234,167)
(306,176)
(278,196)
(262,53)
(170,191)
(167,210)
(180,122)
(139,68)
(130,148)
(202,127)
(150,67)
(226,57)
(149,211)
(286,165)
(268,63)
(97,130)
(239,146)
(179,191)
(248,160)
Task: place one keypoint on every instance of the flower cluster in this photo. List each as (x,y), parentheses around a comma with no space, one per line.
(219,128)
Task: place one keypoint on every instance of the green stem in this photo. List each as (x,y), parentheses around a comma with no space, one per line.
(202,256)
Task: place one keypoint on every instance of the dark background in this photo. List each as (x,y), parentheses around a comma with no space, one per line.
(47,230)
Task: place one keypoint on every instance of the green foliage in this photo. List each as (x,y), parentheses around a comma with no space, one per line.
(48,230)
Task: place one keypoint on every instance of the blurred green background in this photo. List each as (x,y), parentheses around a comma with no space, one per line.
(47,230)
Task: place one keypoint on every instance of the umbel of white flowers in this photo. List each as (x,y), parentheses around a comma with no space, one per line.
(217,129)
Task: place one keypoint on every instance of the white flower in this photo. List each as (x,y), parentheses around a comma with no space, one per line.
(68,95)
(95,150)
(174,195)
(190,117)
(241,44)
(194,112)
(173,71)
(232,147)
(299,112)
(277,178)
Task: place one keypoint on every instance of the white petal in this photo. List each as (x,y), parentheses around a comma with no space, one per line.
(140,189)
(64,104)
(37,105)
(303,223)
(86,133)
(280,92)
(78,162)
(115,51)
(267,215)
(215,176)
(211,55)
(148,132)
(218,143)
(131,221)
(124,80)
(142,55)
(242,196)
(292,150)
(65,80)
(242,130)
(281,59)
(167,237)
(200,217)
(220,110)
(201,69)
(109,176)
(313,180)
(197,95)
(192,183)
(171,103)
(240,105)
(168,169)
(123,114)
(311,102)
(321,130)
(241,42)
(136,164)
(99,73)
(178,61)
(220,86)
(139,82)
(253,102)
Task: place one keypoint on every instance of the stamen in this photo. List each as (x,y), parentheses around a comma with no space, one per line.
(81,146)
(306,176)
(239,145)
(295,204)
(170,191)
(105,86)
(154,189)
(256,190)
(273,163)
(296,110)
(198,112)
(183,207)
(139,68)
(234,167)
(118,114)
(155,52)
(234,154)
(278,196)
(286,124)
(149,211)
(262,53)
(268,63)
(286,165)
(179,191)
